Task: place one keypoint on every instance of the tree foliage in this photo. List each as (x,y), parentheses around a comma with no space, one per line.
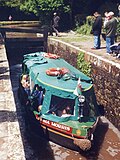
(44,8)
(13,3)
(82,65)
(38,7)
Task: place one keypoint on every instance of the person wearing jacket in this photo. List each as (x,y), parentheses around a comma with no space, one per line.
(111,28)
(96,30)
(55,25)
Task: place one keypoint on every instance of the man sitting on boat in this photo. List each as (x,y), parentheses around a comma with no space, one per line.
(37,97)
(66,112)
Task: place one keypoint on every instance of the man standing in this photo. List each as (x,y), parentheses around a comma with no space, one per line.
(111,28)
(54,25)
(96,30)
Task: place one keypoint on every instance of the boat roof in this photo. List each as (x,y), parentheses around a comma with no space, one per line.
(37,64)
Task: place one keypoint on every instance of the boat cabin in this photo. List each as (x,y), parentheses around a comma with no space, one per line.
(59,92)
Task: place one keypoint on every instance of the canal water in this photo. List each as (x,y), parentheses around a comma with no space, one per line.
(106,145)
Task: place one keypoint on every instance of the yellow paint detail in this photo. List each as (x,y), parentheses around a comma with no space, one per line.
(88,88)
(86,126)
(78,132)
(69,90)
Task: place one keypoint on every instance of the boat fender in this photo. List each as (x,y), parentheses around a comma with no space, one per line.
(83,144)
(50,55)
(56,71)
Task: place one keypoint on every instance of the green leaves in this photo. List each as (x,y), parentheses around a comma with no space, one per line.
(85,29)
(42,8)
(82,65)
(37,5)
(13,3)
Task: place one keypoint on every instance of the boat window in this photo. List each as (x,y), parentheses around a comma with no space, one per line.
(62,106)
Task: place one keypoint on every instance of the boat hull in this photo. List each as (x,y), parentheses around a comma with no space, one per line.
(41,131)
(61,139)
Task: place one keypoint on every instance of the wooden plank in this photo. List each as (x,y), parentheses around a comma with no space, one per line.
(25,39)
(6,29)
(43,31)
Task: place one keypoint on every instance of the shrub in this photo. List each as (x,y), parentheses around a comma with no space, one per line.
(82,65)
(86,27)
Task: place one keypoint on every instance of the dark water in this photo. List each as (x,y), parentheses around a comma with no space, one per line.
(106,144)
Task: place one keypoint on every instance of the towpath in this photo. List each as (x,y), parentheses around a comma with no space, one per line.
(85,42)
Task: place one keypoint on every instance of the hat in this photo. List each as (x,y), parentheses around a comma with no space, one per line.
(54,13)
(110,14)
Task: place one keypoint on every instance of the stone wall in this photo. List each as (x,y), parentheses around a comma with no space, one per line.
(105,75)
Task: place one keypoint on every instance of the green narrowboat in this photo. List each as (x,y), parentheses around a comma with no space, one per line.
(59,100)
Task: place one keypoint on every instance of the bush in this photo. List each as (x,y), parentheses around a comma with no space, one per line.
(82,65)
(86,27)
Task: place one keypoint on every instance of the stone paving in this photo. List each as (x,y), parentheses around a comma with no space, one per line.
(11,146)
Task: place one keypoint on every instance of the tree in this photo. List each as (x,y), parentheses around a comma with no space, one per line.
(45,8)
(41,8)
(13,3)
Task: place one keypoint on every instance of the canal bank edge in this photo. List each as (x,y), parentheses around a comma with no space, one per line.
(105,74)
(11,145)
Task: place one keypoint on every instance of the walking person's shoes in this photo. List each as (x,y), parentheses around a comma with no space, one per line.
(50,34)
(57,34)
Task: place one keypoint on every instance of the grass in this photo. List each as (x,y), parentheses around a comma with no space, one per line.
(74,38)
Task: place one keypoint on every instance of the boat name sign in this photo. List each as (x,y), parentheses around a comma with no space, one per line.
(57,125)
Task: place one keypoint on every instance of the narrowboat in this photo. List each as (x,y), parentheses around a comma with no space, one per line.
(59,101)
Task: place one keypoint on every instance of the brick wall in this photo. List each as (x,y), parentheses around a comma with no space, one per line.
(105,75)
